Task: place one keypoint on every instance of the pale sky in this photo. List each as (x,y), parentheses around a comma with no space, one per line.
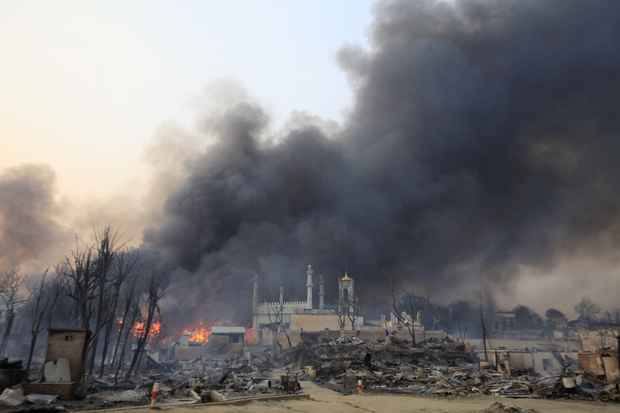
(85,84)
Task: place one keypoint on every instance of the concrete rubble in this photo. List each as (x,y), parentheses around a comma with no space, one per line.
(12,397)
(500,407)
(42,399)
(204,380)
(439,367)
(197,381)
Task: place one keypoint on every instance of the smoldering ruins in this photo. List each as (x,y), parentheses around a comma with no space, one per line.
(477,157)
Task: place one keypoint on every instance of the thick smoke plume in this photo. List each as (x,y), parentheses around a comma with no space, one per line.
(483,139)
(29,228)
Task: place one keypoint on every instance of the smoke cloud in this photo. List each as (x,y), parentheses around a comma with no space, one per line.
(30,232)
(483,140)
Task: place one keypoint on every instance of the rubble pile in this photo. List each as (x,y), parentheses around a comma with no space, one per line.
(499,407)
(200,380)
(439,367)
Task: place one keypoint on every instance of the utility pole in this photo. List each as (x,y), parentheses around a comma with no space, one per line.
(483,325)
(484,333)
(618,348)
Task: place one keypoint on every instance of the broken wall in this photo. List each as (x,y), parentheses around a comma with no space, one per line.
(315,322)
(70,345)
(610,364)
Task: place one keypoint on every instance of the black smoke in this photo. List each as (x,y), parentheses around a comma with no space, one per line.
(484,137)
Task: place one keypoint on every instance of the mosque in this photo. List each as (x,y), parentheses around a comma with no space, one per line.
(296,316)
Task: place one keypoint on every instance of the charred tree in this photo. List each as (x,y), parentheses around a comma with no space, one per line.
(484,333)
(124,264)
(276,321)
(404,309)
(10,283)
(155,291)
(353,312)
(106,254)
(43,299)
(135,313)
(78,275)
(124,325)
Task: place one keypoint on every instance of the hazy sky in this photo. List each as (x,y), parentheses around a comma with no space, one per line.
(85,84)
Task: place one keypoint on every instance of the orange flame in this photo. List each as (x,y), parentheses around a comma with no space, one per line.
(138,329)
(198,335)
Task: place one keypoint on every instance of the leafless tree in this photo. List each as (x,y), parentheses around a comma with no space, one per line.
(353,311)
(277,325)
(10,283)
(156,288)
(106,241)
(43,298)
(275,313)
(348,311)
(404,309)
(79,280)
(124,264)
(134,308)
(128,317)
(342,311)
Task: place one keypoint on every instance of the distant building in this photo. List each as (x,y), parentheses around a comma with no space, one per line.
(297,316)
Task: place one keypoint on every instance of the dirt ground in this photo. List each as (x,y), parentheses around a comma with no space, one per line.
(327,401)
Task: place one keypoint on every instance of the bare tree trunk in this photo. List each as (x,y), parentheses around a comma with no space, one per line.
(117,342)
(407,308)
(96,337)
(84,320)
(121,330)
(128,303)
(121,358)
(33,344)
(142,340)
(108,330)
(139,361)
(106,254)
(10,318)
(484,334)
(288,339)
(274,339)
(10,284)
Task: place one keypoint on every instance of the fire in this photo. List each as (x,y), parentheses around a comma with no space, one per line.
(138,329)
(198,335)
